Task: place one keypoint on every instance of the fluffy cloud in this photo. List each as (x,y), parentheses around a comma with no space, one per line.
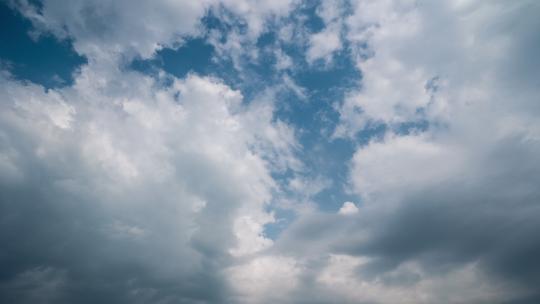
(323,44)
(132,183)
(257,13)
(425,59)
(348,208)
(258,280)
(126,28)
(104,29)
(130,188)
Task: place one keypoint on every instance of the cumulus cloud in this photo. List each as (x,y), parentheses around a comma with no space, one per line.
(323,44)
(258,280)
(348,208)
(133,184)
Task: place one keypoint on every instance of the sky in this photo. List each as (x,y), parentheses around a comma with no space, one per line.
(270,151)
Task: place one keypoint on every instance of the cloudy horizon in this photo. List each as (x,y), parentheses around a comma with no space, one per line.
(273,151)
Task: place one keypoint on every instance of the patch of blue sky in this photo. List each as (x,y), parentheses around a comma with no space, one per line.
(44,60)
(314,115)
(195,55)
(284,217)
(310,20)
(412,127)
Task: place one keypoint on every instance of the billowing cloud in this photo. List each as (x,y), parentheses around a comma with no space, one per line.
(101,29)
(129,189)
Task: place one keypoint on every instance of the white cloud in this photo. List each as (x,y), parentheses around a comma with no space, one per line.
(348,208)
(265,279)
(384,170)
(452,287)
(289,83)
(180,172)
(121,30)
(410,46)
(442,66)
(249,230)
(283,61)
(256,13)
(323,44)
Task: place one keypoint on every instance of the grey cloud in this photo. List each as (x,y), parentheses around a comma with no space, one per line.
(487,215)
(44,228)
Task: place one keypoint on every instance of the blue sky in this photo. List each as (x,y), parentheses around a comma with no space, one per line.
(284,151)
(51,62)
(46,60)
(315,119)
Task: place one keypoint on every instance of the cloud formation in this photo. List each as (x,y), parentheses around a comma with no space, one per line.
(124,186)
(136,187)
